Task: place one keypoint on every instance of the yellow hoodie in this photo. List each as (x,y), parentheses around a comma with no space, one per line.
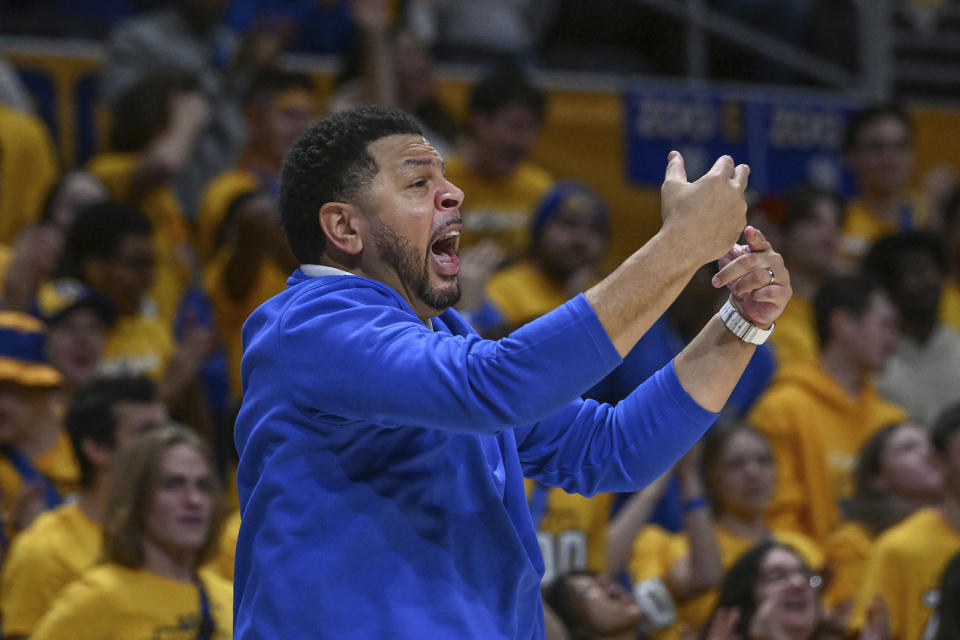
(816,430)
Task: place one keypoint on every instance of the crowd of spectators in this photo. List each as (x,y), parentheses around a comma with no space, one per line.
(824,504)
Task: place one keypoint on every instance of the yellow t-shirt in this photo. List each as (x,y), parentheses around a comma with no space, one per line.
(171,238)
(111,602)
(214,202)
(906,567)
(695,612)
(795,339)
(57,463)
(847,550)
(523,292)
(47,556)
(232,314)
(223,562)
(950,304)
(499,209)
(28,170)
(572,531)
(862,227)
(816,430)
(137,344)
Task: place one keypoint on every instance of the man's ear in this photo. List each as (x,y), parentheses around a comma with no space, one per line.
(342,224)
(98,454)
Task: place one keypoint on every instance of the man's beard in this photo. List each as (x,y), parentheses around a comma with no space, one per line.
(397,253)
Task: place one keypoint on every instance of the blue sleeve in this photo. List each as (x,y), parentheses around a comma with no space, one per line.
(589,447)
(754,381)
(355,355)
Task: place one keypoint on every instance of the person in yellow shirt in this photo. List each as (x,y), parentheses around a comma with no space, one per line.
(155,126)
(569,234)
(811,220)
(251,265)
(505,116)
(110,249)
(817,416)
(37,465)
(161,523)
(907,562)
(28,169)
(895,475)
(102,419)
(77,320)
(739,476)
(878,148)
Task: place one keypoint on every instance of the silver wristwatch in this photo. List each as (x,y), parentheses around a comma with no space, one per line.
(741,327)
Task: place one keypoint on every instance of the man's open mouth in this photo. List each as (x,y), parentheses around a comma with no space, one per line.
(444,250)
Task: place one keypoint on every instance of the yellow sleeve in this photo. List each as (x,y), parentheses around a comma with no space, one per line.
(785,511)
(78,614)
(31,581)
(846,560)
(882,576)
(220,592)
(223,562)
(650,556)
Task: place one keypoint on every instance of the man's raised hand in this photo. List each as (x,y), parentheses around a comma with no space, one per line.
(758,281)
(709,213)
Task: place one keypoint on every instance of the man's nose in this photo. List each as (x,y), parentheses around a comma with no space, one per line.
(450,197)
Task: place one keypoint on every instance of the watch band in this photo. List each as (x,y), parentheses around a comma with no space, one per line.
(741,327)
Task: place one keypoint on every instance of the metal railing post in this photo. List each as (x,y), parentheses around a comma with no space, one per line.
(696,42)
(876,48)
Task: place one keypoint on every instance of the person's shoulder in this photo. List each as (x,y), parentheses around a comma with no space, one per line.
(907,535)
(850,534)
(99,584)
(214,582)
(534,174)
(47,532)
(532,177)
(517,275)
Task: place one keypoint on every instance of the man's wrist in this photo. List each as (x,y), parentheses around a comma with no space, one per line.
(742,327)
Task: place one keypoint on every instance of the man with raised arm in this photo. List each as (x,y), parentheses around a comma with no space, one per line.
(383,444)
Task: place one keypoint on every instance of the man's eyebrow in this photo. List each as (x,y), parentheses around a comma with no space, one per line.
(421,162)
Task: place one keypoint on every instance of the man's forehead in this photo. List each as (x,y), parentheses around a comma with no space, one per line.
(398,151)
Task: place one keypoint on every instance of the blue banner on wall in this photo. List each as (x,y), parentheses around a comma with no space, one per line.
(786,138)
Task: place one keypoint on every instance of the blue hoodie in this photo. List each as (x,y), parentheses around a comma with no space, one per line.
(382,461)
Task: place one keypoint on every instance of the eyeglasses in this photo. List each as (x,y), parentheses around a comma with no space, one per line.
(780,577)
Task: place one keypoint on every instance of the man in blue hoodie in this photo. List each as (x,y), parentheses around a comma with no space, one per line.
(383,444)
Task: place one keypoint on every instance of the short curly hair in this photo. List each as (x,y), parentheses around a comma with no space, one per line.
(330,162)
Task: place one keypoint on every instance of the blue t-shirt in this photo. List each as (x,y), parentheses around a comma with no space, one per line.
(382,461)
